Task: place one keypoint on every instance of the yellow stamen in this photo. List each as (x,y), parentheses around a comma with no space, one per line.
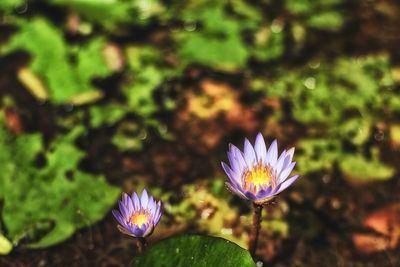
(259,176)
(139,218)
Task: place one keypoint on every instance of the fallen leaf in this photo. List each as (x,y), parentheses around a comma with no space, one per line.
(385,221)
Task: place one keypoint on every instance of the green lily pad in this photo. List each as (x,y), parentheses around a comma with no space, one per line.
(194,251)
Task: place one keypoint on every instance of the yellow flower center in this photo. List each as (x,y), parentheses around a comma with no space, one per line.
(259,176)
(140,218)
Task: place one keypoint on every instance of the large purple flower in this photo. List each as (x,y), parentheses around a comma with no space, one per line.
(258,174)
(138,217)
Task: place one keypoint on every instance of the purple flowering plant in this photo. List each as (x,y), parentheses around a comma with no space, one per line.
(258,174)
(137,217)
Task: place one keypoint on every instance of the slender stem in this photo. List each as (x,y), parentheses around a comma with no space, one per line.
(141,244)
(255,229)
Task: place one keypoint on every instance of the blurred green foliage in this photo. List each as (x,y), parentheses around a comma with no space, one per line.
(221,44)
(53,200)
(66,71)
(323,15)
(339,103)
(154,45)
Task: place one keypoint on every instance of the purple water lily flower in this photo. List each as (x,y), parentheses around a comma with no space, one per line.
(259,174)
(137,217)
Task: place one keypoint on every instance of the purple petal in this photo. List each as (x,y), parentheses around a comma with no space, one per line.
(286,162)
(264,193)
(129,205)
(280,162)
(147,229)
(157,214)
(231,175)
(238,155)
(260,148)
(250,195)
(144,199)
(249,154)
(125,199)
(119,217)
(135,201)
(290,152)
(152,206)
(235,165)
(235,190)
(285,173)
(122,208)
(136,231)
(287,183)
(272,153)
(124,230)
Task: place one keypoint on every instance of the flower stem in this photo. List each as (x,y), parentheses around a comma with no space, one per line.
(255,229)
(141,244)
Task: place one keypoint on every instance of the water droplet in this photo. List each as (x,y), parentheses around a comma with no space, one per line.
(192,258)
(277,26)
(22,8)
(314,64)
(68,107)
(163,129)
(143,134)
(42,263)
(190,25)
(326,179)
(310,83)
(379,135)
(260,264)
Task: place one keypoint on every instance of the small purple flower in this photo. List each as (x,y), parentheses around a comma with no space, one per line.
(258,174)
(137,218)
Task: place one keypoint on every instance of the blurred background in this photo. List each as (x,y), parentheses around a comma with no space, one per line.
(103,96)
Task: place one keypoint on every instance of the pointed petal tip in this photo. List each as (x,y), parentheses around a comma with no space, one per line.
(259,135)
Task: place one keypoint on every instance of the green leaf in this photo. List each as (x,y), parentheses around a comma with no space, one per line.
(194,251)
(9,5)
(110,13)
(317,154)
(149,71)
(359,168)
(140,93)
(217,44)
(48,204)
(323,15)
(330,92)
(107,114)
(329,20)
(268,44)
(51,59)
(129,136)
(115,11)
